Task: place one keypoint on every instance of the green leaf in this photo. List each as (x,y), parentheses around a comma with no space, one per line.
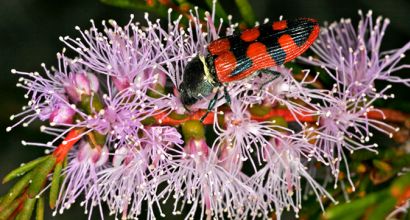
(5,213)
(40,176)
(138,5)
(219,11)
(383,209)
(15,191)
(27,211)
(356,207)
(246,11)
(55,185)
(382,165)
(401,161)
(363,154)
(40,209)
(401,184)
(23,169)
(130,4)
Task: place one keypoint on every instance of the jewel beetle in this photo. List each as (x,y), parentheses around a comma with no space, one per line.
(238,56)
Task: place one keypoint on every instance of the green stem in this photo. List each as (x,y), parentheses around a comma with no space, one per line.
(246,11)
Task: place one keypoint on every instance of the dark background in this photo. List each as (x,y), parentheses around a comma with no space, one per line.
(29,31)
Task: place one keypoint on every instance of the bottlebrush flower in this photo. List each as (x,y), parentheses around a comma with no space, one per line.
(352,57)
(121,118)
(279,181)
(356,53)
(113,95)
(204,186)
(81,177)
(119,52)
(128,183)
(242,135)
(344,124)
(47,96)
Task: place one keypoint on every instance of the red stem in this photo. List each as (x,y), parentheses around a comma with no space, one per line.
(62,150)
(20,201)
(390,114)
(286,114)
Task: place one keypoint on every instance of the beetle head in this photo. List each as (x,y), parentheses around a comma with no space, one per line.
(196,83)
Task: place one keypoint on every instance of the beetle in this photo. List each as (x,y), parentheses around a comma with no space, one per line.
(238,56)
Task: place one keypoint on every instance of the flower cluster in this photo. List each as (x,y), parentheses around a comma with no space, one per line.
(120,97)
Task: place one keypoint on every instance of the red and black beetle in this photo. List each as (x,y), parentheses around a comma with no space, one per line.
(238,56)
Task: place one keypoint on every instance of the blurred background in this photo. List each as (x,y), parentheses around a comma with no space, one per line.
(29,31)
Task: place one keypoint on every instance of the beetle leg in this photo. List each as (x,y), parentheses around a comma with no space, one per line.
(211,105)
(227,96)
(273,73)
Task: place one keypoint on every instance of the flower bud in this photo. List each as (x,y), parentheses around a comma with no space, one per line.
(259,110)
(121,83)
(81,83)
(230,158)
(193,129)
(99,156)
(179,107)
(120,156)
(62,114)
(159,76)
(84,151)
(95,156)
(197,147)
(157,79)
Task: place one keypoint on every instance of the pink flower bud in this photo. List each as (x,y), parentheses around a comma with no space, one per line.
(179,107)
(159,77)
(95,156)
(82,83)
(121,83)
(84,152)
(230,159)
(99,156)
(119,156)
(62,114)
(197,147)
